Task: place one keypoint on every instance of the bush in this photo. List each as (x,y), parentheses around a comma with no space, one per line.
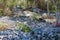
(23,27)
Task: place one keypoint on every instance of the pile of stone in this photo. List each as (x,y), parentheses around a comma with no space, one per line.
(39,30)
(36,34)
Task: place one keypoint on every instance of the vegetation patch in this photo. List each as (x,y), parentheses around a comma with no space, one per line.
(4,26)
(23,27)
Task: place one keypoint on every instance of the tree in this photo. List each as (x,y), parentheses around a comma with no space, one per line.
(56,9)
(48,11)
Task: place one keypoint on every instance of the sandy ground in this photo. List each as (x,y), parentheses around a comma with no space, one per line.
(50,20)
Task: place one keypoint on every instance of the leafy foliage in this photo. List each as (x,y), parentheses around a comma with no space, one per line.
(4,4)
(23,27)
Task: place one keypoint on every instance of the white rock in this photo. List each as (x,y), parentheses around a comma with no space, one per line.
(27,13)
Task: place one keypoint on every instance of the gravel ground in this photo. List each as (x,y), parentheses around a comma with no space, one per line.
(40,30)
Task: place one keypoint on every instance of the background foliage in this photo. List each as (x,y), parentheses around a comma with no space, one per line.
(41,4)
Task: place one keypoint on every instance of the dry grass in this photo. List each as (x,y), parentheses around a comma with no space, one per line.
(4,26)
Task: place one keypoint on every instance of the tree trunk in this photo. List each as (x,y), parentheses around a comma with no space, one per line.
(56,9)
(48,10)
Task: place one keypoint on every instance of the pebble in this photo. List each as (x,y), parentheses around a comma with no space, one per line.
(41,31)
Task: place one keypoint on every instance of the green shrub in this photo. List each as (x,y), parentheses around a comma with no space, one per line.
(23,27)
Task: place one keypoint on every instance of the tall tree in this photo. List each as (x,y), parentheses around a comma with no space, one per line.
(48,11)
(56,9)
